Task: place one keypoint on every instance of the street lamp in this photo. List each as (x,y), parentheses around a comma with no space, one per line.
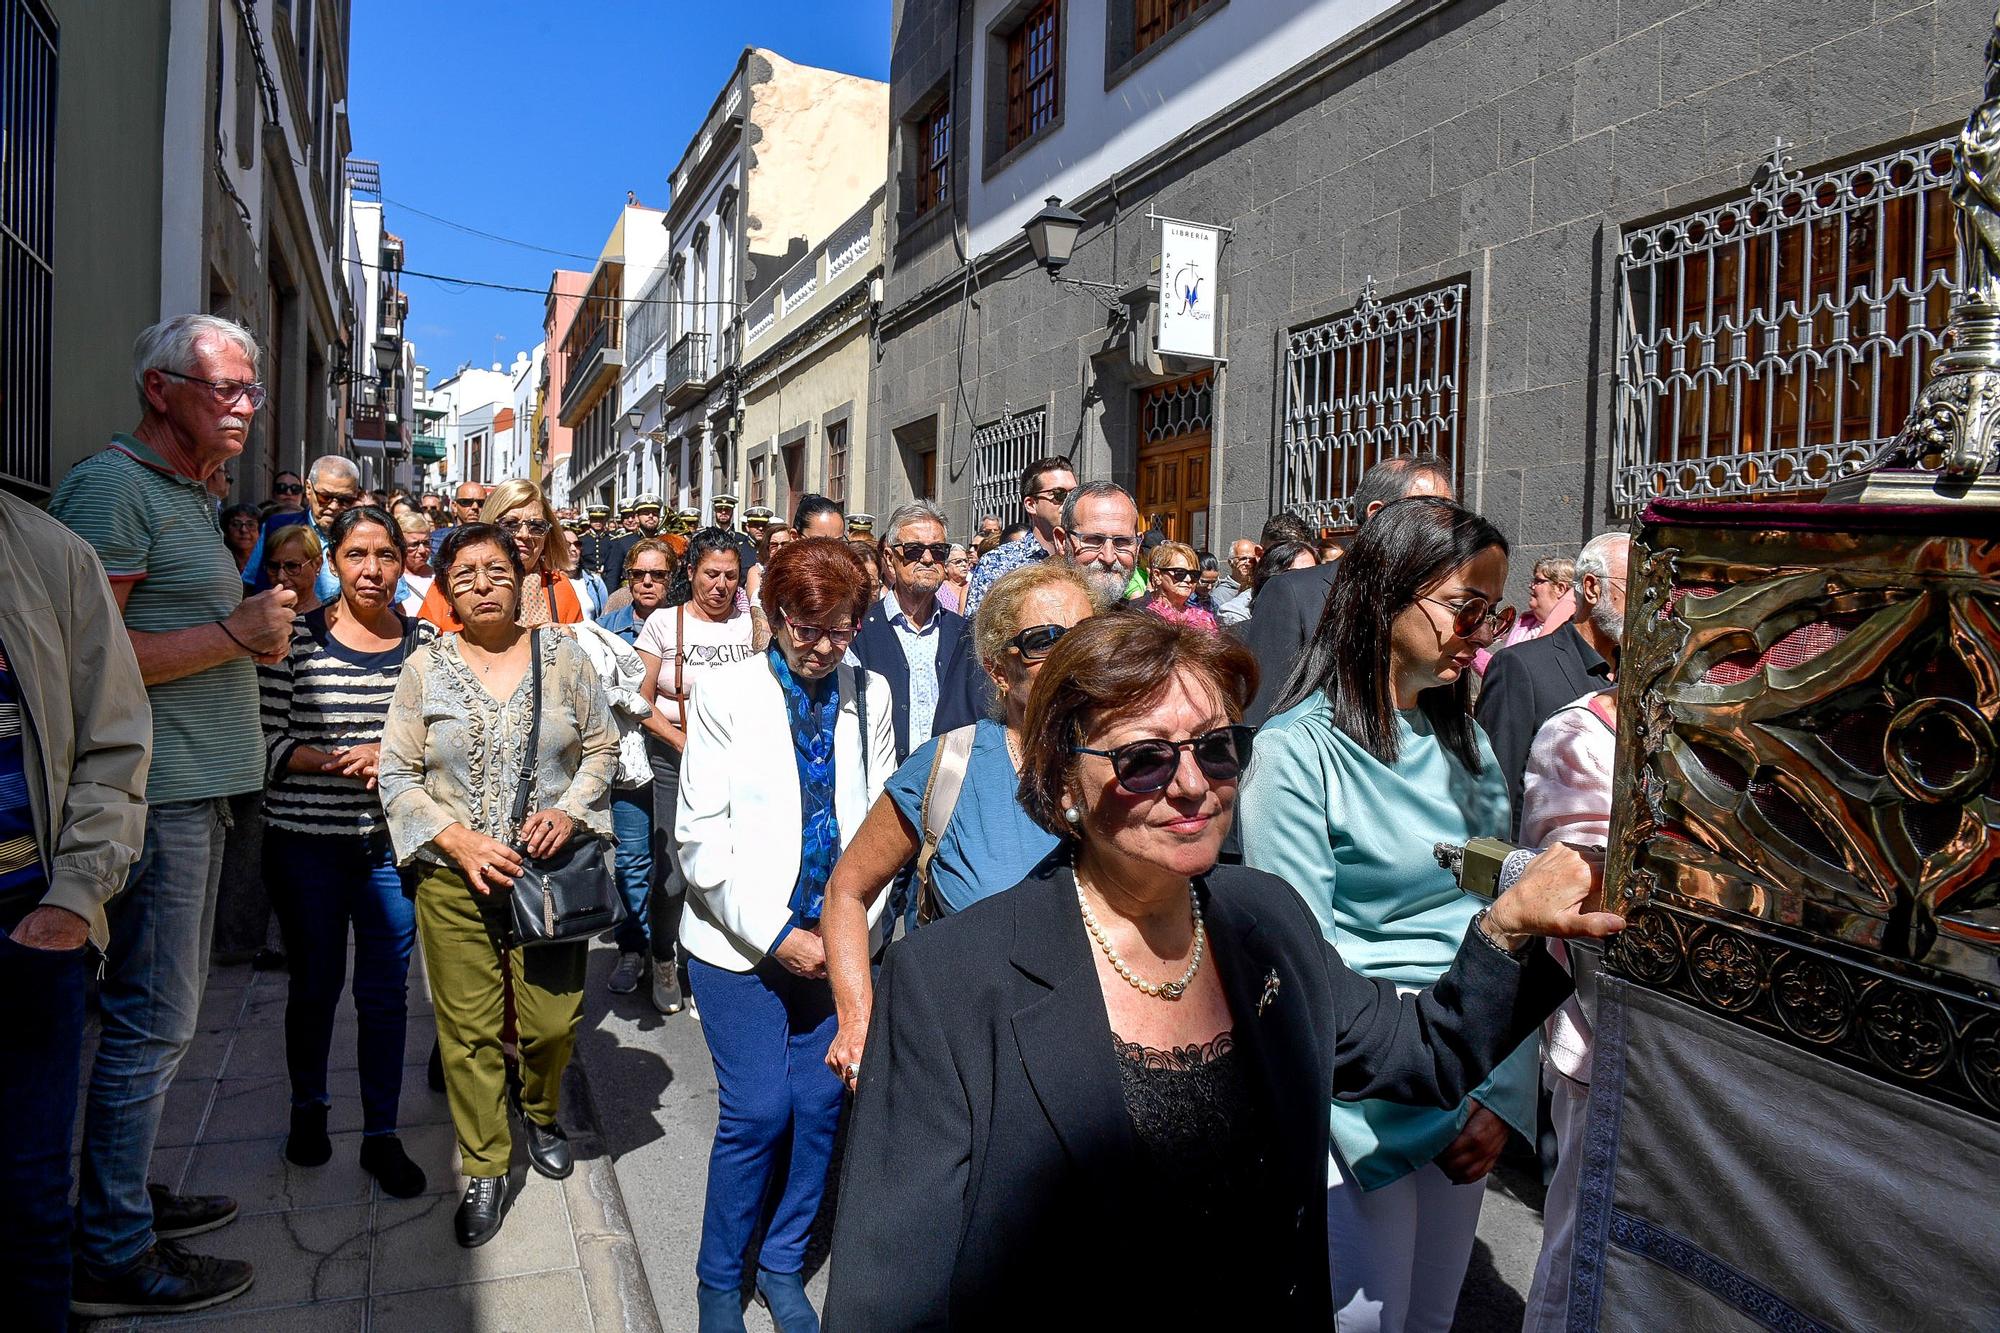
(1052,239)
(636,418)
(1052,235)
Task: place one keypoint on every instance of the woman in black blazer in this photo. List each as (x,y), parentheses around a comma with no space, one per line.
(1101,1096)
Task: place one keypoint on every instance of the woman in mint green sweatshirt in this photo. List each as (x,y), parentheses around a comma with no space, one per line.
(1373,759)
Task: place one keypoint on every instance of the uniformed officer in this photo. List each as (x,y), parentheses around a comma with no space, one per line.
(596,537)
(645,514)
(757,518)
(861,527)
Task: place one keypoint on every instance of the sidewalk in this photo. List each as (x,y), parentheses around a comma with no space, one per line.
(332,1252)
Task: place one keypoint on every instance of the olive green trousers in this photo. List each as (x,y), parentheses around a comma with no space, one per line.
(470,972)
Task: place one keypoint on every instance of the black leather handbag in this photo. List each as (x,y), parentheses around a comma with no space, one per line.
(569,895)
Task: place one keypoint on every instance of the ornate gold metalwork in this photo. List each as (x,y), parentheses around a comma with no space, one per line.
(1808,813)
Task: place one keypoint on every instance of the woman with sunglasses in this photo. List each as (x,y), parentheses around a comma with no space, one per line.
(547,595)
(794,737)
(990,843)
(292,559)
(1372,760)
(1119,1067)
(1175,573)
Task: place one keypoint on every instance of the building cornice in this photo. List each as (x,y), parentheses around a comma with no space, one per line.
(850,309)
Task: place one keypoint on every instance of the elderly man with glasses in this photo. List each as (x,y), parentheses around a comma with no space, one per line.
(143,506)
(1100,531)
(924,651)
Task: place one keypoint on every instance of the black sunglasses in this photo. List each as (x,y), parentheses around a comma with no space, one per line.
(1180,575)
(1034,642)
(911,552)
(289,488)
(1148,766)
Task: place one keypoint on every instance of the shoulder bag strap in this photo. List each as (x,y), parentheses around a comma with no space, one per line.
(680,655)
(526,789)
(860,678)
(947,780)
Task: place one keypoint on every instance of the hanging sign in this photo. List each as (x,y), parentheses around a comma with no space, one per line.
(1188,289)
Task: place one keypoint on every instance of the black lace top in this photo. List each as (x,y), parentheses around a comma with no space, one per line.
(1202,1130)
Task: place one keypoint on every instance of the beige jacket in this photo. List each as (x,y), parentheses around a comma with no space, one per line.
(87,727)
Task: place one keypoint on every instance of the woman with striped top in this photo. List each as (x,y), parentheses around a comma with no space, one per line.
(327,855)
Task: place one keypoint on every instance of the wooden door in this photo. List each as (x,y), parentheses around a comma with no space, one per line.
(1175,438)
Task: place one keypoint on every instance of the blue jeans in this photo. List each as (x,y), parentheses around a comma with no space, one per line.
(320,885)
(632,821)
(41,1053)
(768,1032)
(148,1001)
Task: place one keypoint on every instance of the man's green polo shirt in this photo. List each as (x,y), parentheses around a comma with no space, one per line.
(157,528)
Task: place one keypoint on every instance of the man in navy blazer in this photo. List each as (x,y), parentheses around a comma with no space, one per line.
(924,651)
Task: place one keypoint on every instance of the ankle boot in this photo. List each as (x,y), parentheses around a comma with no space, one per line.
(784,1295)
(382,1157)
(307,1144)
(718,1311)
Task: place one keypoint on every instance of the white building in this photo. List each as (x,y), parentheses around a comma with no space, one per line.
(594,348)
(473,412)
(373,368)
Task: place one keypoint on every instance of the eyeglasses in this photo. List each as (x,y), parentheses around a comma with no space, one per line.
(465,500)
(648,576)
(1475,618)
(1091,541)
(1179,575)
(226,391)
(1055,495)
(289,569)
(289,488)
(912,552)
(1546,583)
(534,527)
(1148,766)
(1035,642)
(808,635)
(337,500)
(466,577)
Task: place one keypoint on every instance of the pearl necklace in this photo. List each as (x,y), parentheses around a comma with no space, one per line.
(1165,990)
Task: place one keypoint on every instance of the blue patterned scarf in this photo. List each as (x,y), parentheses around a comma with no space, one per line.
(812,711)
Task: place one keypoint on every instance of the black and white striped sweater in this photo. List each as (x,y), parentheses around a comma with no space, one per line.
(325,694)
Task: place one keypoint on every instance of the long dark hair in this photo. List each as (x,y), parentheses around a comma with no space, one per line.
(705,543)
(1407,547)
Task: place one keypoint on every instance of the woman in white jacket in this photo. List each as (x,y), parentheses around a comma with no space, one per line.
(750,931)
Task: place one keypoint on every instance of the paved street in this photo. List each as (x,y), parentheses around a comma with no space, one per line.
(334,1255)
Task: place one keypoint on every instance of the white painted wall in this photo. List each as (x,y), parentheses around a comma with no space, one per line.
(1229,54)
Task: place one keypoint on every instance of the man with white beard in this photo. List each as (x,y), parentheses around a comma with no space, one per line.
(1100,537)
(1531,680)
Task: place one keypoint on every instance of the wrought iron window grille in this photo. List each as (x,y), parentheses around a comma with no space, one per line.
(1000,449)
(1381,380)
(1771,343)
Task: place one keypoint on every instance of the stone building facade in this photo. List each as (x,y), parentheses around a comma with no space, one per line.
(1591,250)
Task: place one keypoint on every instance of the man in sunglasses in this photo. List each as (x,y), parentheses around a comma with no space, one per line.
(646,510)
(1045,484)
(143,505)
(1527,683)
(924,651)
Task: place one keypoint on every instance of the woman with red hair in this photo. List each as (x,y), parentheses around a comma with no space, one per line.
(750,930)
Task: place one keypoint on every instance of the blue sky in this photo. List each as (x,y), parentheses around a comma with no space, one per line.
(530,119)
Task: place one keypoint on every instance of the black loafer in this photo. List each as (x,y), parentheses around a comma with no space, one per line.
(178,1216)
(480,1211)
(548,1149)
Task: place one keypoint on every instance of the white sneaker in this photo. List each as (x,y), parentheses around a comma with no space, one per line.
(625,976)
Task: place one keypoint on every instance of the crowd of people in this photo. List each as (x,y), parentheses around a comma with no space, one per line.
(1111,931)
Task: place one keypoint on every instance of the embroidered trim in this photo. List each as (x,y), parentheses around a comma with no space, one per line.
(1180,1059)
(1600,1160)
(1679,1255)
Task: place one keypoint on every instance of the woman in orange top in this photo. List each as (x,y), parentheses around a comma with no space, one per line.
(519,508)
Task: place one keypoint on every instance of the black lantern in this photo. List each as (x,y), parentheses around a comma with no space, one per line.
(636,418)
(1052,235)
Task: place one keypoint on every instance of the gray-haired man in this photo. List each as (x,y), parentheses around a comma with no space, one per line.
(143,505)
(924,651)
